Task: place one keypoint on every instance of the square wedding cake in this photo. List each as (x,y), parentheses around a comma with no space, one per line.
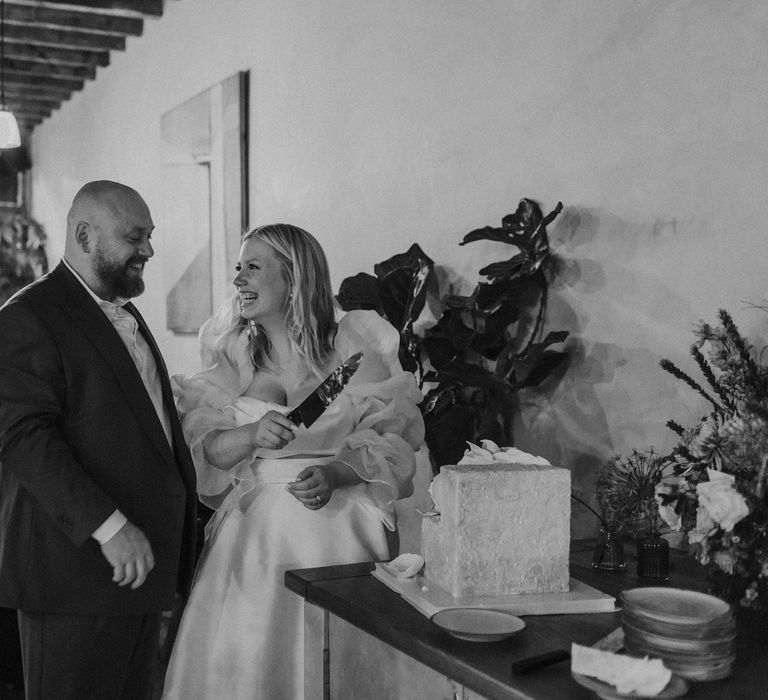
(503,528)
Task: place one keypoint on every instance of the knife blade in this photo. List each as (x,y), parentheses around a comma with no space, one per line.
(311,408)
(613,641)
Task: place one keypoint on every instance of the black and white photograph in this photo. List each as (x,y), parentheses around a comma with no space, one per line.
(383,349)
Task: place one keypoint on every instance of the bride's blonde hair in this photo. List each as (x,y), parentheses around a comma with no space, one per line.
(310,315)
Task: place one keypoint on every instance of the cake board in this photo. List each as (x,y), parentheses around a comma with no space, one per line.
(428,598)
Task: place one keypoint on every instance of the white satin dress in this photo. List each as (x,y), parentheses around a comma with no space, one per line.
(242,632)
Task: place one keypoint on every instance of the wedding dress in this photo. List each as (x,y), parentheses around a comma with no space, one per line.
(242,632)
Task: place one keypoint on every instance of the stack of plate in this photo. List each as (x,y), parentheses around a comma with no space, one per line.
(693,633)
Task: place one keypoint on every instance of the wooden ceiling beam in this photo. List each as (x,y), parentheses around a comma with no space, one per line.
(20,94)
(51,69)
(44,88)
(33,101)
(20,78)
(33,34)
(52,54)
(141,7)
(28,112)
(29,117)
(53,46)
(84,21)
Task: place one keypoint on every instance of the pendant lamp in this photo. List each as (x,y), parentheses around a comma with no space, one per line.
(9,129)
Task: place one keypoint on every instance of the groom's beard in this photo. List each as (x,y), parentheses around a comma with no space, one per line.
(117,278)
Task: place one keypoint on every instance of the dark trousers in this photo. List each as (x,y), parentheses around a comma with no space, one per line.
(88,657)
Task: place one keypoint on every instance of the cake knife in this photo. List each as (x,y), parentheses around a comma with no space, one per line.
(613,641)
(311,408)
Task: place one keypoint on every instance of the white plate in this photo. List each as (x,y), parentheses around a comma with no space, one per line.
(478,624)
(712,631)
(676,687)
(670,644)
(675,605)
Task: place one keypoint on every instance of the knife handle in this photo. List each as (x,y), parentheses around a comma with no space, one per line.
(533,663)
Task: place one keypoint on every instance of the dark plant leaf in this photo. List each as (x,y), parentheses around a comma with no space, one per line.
(439,399)
(451,328)
(499,235)
(550,339)
(403,283)
(489,427)
(359,292)
(544,365)
(456,301)
(491,297)
(526,218)
(395,296)
(418,292)
(408,357)
(448,427)
(516,366)
(465,373)
(506,269)
(549,218)
(439,350)
(490,337)
(410,260)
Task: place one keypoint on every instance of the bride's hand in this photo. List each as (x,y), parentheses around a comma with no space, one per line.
(315,485)
(272,431)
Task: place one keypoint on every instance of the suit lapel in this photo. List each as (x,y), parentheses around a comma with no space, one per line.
(94,324)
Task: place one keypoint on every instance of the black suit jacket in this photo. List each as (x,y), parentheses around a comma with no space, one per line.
(79,437)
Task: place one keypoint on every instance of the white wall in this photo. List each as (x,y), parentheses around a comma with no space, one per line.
(376,123)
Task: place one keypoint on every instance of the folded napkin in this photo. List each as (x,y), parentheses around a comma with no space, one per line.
(404,566)
(646,677)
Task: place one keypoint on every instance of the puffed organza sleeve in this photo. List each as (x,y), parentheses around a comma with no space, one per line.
(388,427)
(204,402)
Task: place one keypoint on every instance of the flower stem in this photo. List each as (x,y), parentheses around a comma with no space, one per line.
(589,508)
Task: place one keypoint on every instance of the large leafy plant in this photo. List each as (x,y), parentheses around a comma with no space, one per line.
(485,347)
(22,252)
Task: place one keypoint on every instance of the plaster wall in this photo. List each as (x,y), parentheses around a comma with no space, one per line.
(377,124)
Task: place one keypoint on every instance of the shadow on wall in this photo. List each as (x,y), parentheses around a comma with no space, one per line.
(612,396)
(565,421)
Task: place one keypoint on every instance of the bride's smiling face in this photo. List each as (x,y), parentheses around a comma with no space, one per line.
(260,283)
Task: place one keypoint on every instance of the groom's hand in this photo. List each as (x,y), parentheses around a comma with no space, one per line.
(130,555)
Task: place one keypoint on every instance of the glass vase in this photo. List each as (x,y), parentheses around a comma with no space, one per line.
(609,552)
(653,557)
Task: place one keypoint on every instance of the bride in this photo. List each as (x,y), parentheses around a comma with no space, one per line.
(286,496)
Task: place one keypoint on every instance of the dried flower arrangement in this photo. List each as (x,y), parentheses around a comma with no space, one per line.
(718,493)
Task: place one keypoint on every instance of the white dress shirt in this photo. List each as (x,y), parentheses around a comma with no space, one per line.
(128,329)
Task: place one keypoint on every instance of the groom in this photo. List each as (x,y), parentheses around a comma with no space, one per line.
(97,488)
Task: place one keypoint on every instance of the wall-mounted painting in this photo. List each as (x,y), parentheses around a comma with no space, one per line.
(205,199)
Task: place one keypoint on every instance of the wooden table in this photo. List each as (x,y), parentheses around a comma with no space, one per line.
(353,595)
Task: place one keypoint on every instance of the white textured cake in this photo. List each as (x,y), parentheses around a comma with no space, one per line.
(503,528)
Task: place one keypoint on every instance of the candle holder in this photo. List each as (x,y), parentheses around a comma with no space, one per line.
(653,557)
(609,551)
